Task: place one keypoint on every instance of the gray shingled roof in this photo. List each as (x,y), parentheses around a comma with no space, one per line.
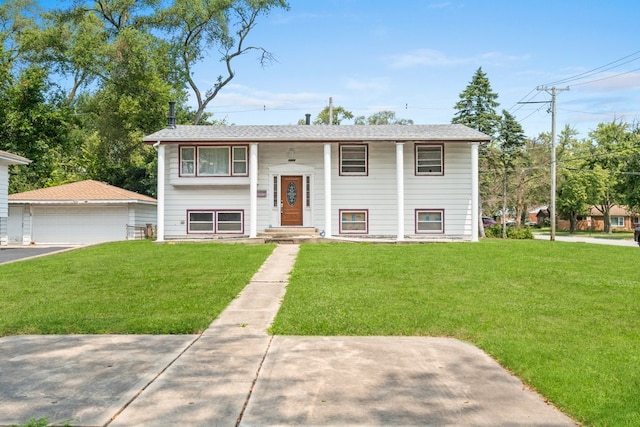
(317,133)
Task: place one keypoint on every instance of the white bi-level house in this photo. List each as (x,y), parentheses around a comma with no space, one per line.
(391,181)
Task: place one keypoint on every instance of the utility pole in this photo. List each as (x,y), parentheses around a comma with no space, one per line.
(552,207)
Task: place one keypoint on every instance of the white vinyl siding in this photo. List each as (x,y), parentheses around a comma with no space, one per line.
(376,193)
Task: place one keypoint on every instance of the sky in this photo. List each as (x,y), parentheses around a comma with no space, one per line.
(415,57)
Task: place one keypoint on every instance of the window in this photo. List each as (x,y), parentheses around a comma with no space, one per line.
(308,192)
(213,161)
(200,222)
(239,160)
(225,221)
(229,222)
(353,160)
(429,221)
(354,222)
(275,192)
(617,221)
(187,160)
(429,159)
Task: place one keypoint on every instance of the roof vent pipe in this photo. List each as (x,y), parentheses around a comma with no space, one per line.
(308,119)
(171,124)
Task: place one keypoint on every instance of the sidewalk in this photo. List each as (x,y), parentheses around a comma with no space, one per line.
(237,374)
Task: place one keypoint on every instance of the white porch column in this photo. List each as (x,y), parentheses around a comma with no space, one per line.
(400,188)
(253,190)
(160,204)
(327,190)
(475,193)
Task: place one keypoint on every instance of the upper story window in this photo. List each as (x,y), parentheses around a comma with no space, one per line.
(353,159)
(213,161)
(429,159)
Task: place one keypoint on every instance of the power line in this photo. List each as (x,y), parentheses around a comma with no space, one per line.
(602,68)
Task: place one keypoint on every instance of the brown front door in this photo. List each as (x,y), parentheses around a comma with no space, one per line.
(291,200)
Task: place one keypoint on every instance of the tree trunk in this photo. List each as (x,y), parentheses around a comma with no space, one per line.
(504,204)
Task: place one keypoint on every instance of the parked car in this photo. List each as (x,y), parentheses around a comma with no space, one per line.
(532,224)
(636,235)
(488,222)
(511,223)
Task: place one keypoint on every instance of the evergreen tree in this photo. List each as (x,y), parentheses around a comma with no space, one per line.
(477,106)
(511,142)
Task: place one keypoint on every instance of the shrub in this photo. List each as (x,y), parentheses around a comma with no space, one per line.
(519,233)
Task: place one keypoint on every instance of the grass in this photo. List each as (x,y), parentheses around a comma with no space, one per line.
(125,287)
(564,317)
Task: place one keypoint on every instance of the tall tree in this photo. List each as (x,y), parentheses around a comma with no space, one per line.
(611,145)
(511,142)
(477,109)
(197,27)
(477,105)
(630,179)
(36,124)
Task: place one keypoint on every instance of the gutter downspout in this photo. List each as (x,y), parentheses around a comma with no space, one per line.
(253,191)
(327,190)
(160,189)
(400,189)
(475,193)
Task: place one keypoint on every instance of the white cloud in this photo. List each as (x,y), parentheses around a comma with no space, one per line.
(436,58)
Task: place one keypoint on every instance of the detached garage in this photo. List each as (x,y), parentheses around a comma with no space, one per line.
(78,213)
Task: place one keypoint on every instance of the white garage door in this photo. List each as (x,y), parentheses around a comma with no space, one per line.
(79,224)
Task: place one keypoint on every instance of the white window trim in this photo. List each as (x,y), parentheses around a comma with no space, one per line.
(432,147)
(215,221)
(619,221)
(354,211)
(441,222)
(366,160)
(240,222)
(189,222)
(231,159)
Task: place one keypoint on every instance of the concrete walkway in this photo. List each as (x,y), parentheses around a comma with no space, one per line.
(236,374)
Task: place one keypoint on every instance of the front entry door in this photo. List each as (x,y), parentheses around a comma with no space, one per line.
(291,200)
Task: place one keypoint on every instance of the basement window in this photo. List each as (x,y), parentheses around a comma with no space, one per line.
(354,222)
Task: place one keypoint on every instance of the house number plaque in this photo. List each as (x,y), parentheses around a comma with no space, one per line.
(292,194)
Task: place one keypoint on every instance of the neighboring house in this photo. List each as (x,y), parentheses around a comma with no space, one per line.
(78,213)
(6,159)
(621,219)
(415,181)
(538,215)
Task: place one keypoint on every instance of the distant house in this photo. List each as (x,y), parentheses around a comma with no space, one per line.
(394,181)
(79,213)
(6,159)
(621,219)
(539,215)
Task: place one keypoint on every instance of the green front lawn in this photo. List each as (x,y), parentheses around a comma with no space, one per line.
(127,287)
(564,317)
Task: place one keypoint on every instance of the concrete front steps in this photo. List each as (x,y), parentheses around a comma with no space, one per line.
(290,235)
